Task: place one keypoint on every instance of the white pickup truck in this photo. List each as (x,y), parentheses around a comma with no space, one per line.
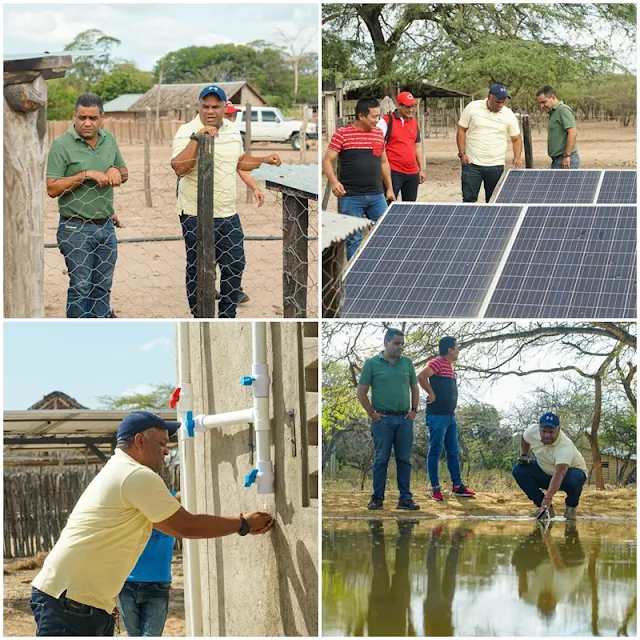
(269,125)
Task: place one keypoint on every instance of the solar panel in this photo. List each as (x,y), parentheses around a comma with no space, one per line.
(570,262)
(548,186)
(618,187)
(428,260)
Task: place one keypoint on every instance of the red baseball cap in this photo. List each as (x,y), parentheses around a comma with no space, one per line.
(406,98)
(230,108)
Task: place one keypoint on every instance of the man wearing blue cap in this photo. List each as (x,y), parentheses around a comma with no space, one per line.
(484,129)
(228,158)
(74,593)
(558,466)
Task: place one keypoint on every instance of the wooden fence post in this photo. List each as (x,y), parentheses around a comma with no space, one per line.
(247,144)
(295,271)
(157,127)
(205,243)
(147,159)
(303,134)
(528,143)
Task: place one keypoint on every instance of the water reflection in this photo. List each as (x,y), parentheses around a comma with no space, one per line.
(478,578)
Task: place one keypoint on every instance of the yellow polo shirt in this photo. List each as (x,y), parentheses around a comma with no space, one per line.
(562,451)
(488,133)
(227,149)
(106,533)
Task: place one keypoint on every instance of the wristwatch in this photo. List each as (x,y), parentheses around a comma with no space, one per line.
(462,153)
(566,155)
(244,526)
(193,136)
(414,409)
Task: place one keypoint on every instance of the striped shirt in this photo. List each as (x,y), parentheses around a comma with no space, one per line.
(360,154)
(444,385)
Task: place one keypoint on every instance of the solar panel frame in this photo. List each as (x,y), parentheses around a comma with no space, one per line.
(566,286)
(610,194)
(548,186)
(461,281)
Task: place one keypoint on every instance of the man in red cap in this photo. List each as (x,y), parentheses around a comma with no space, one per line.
(402,140)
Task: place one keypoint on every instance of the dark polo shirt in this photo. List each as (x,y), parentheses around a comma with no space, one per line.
(561,118)
(70,154)
(390,383)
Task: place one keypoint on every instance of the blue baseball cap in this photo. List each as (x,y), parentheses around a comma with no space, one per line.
(215,90)
(139,421)
(550,420)
(497,90)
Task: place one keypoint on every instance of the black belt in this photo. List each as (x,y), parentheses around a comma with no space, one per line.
(81,219)
(392,413)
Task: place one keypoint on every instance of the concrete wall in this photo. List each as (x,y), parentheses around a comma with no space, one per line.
(259,585)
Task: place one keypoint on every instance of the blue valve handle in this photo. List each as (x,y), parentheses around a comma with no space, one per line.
(247,381)
(250,478)
(190,424)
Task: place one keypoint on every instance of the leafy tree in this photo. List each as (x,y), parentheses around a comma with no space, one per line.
(157,398)
(88,70)
(124,78)
(61,99)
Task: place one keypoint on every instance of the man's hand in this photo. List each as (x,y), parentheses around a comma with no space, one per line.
(259,522)
(464,159)
(116,221)
(259,196)
(546,503)
(523,458)
(272,159)
(411,415)
(212,131)
(390,196)
(566,163)
(337,189)
(517,163)
(115,178)
(422,178)
(431,396)
(102,179)
(375,417)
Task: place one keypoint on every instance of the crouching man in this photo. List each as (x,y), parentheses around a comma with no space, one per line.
(558,466)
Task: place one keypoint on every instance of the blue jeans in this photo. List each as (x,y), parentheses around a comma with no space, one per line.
(396,432)
(443,431)
(144,607)
(229,248)
(531,478)
(64,617)
(473,175)
(371,207)
(574,161)
(90,252)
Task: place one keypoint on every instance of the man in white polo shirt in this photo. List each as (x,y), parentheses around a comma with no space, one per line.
(74,593)
(484,129)
(558,466)
(228,158)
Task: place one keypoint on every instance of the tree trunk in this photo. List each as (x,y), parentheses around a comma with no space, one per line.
(593,436)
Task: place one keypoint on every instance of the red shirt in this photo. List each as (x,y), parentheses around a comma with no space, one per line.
(401,146)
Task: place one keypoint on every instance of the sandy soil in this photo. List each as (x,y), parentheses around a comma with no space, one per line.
(612,503)
(18,620)
(149,276)
(602,145)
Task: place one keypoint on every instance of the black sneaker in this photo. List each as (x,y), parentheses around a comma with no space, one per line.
(408,505)
(375,504)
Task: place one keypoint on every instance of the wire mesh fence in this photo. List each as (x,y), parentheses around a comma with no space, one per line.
(142,261)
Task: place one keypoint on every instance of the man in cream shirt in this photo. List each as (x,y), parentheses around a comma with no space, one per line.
(558,466)
(74,593)
(484,129)
(228,159)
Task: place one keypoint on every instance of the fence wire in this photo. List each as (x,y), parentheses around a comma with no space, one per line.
(141,262)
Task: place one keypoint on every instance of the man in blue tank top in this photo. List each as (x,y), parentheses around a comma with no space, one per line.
(143,602)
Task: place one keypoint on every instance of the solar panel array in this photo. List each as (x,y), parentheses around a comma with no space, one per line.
(499,261)
(618,187)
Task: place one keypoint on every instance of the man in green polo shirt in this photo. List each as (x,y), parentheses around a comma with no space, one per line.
(394,402)
(561,130)
(83,167)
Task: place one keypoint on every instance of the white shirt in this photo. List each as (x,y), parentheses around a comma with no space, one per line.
(562,451)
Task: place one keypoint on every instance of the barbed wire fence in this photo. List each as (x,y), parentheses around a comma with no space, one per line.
(251,259)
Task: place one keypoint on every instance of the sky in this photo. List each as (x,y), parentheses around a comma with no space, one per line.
(149,31)
(85,359)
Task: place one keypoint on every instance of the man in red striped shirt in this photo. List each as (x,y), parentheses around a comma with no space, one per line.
(363,167)
(438,379)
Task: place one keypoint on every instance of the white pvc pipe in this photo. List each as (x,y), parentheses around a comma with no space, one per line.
(217,420)
(191,550)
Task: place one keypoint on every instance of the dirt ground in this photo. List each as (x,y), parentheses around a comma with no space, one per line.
(149,276)
(611,503)
(602,145)
(18,620)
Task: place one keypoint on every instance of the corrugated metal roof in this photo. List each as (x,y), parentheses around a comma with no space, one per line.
(337,226)
(121,103)
(299,177)
(7,57)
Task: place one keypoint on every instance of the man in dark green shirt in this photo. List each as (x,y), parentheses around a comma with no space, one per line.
(394,402)
(561,130)
(83,167)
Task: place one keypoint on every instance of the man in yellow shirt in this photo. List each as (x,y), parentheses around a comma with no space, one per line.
(558,466)
(228,159)
(74,593)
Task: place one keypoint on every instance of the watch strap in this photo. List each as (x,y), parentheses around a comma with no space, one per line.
(244,526)
(193,136)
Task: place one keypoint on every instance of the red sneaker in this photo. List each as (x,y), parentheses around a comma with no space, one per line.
(462,492)
(436,494)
